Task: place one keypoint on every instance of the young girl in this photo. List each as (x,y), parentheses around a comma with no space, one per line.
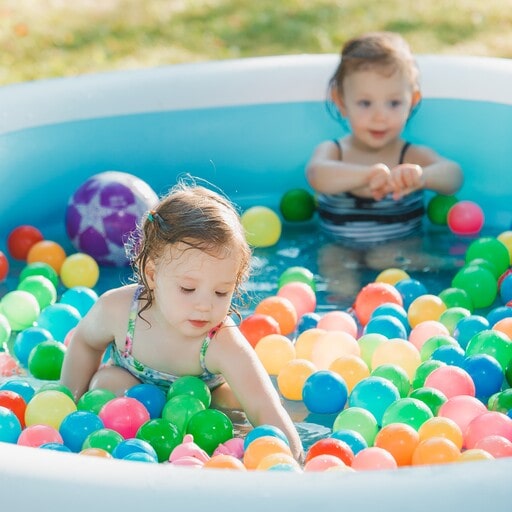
(370,183)
(190,261)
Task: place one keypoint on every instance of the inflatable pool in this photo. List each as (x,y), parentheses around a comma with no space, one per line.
(248,127)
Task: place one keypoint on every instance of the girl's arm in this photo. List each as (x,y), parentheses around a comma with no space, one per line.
(237,361)
(328,175)
(87,345)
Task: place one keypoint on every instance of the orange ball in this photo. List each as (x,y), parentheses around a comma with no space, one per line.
(96,452)
(293,375)
(274,351)
(277,458)
(223,461)
(48,252)
(505,326)
(425,307)
(305,342)
(373,458)
(282,310)
(400,440)
(256,326)
(261,447)
(332,345)
(351,368)
(435,450)
(372,296)
(441,427)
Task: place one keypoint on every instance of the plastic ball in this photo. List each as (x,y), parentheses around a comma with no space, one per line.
(151,396)
(131,446)
(124,415)
(292,376)
(96,452)
(359,420)
(162,435)
(467,327)
(338,321)
(456,297)
(307,321)
(351,368)
(262,226)
(46,359)
(451,381)
(49,408)
(330,346)
(411,411)
(282,310)
(393,310)
(486,424)
(55,386)
(474,454)
(499,313)
(301,295)
(435,450)
(190,385)
(330,446)
(80,297)
(324,392)
(410,289)
(179,409)
(489,249)
(210,428)
(505,326)
(20,386)
(426,330)
(398,352)
(104,439)
(452,355)
(49,252)
(373,295)
(353,439)
(486,373)
(256,326)
(506,289)
(79,269)
(4,267)
(306,341)
(479,283)
(40,268)
(438,208)
(297,273)
(497,446)
(465,218)
(56,447)
(274,351)
(374,394)
(20,308)
(374,458)
(451,317)
(396,375)
(15,403)
(505,238)
(224,461)
(94,399)
(263,447)
(59,319)
(386,325)
(41,288)
(297,205)
(441,427)
(262,431)
(37,435)
(21,239)
(391,276)
(77,426)
(400,440)
(462,409)
(103,211)
(493,343)
(10,427)
(425,307)
(368,343)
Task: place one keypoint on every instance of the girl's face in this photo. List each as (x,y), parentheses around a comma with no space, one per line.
(192,289)
(377,106)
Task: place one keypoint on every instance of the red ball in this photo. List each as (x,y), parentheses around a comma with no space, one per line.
(372,296)
(331,446)
(4,266)
(465,218)
(15,402)
(21,239)
(257,326)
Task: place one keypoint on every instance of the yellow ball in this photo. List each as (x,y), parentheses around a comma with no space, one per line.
(305,342)
(262,226)
(292,377)
(274,351)
(49,408)
(506,239)
(332,345)
(425,307)
(392,276)
(352,368)
(400,352)
(79,270)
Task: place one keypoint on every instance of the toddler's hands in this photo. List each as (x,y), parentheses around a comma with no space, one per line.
(406,178)
(379,182)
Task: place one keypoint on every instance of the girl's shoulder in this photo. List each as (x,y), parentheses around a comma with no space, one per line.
(420,155)
(119,297)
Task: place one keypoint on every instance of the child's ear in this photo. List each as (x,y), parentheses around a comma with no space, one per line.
(149,272)
(416,98)
(337,99)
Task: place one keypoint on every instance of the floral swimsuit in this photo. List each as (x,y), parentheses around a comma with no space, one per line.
(147,375)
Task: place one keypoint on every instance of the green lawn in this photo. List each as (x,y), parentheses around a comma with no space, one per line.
(48,38)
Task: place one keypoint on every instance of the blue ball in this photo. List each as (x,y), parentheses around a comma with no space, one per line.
(151,396)
(264,430)
(486,373)
(307,321)
(80,297)
(386,325)
(449,354)
(20,386)
(59,319)
(77,426)
(467,327)
(410,289)
(325,392)
(499,313)
(129,446)
(506,289)
(10,427)
(58,447)
(388,308)
(26,340)
(140,457)
(354,439)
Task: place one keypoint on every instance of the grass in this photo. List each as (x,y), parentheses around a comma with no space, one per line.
(50,38)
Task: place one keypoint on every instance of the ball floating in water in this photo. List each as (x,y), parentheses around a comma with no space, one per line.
(4,267)
(49,252)
(489,249)
(297,205)
(10,427)
(40,268)
(438,208)
(297,273)
(282,310)
(373,295)
(46,359)
(325,392)
(400,440)
(192,386)
(79,269)
(301,295)
(274,351)
(103,211)
(59,319)
(21,239)
(20,308)
(262,226)
(292,377)
(256,326)
(76,426)
(41,288)
(465,218)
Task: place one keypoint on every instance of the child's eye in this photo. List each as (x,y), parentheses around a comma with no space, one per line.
(186,290)
(364,103)
(222,294)
(395,103)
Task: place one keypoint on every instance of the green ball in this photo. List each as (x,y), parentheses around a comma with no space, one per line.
(411,411)
(94,399)
(193,386)
(502,401)
(297,273)
(479,283)
(41,288)
(438,208)
(508,374)
(424,370)
(367,345)
(433,343)
(431,397)
(456,297)
(396,375)
(180,409)
(162,435)
(104,438)
(40,269)
(5,330)
(493,343)
(45,360)
(210,428)
(20,308)
(490,249)
(359,420)
(297,205)
(451,316)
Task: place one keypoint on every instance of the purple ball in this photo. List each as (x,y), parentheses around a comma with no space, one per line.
(103,212)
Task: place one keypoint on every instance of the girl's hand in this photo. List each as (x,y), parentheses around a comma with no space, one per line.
(406,178)
(379,183)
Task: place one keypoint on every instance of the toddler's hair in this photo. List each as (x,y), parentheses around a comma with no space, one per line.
(197,217)
(385,52)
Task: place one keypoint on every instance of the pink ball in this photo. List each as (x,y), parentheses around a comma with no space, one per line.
(301,295)
(465,218)
(37,435)
(124,415)
(497,446)
(462,409)
(451,381)
(488,424)
(373,457)
(323,462)
(426,330)
(338,321)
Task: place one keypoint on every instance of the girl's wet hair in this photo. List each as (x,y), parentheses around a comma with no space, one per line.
(197,217)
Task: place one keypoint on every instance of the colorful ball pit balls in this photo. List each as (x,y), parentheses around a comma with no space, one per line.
(293,375)
(351,368)
(274,351)
(179,409)
(15,403)
(40,268)
(301,295)
(77,426)
(125,415)
(489,249)
(486,373)
(94,399)
(486,424)
(79,269)
(425,307)
(104,439)
(493,343)
(410,289)
(21,239)
(324,392)
(466,328)
(479,283)
(395,374)
(324,462)
(261,447)
(307,321)
(149,395)
(451,381)
(49,252)
(373,295)
(37,435)
(282,310)
(411,411)
(262,431)
(451,317)
(374,458)
(368,343)
(129,447)
(359,420)
(438,208)
(297,273)
(192,386)
(505,238)
(210,428)
(10,427)
(452,355)
(386,325)
(462,409)
(46,359)
(338,321)
(262,226)
(505,289)
(441,427)
(4,267)
(49,408)
(393,310)
(435,450)
(257,325)
(397,352)
(103,211)
(274,460)
(354,439)
(59,319)
(392,276)
(20,386)
(331,446)
(425,330)
(474,454)
(96,452)
(55,386)
(162,435)
(456,297)
(330,346)
(497,446)
(465,218)
(400,440)
(224,461)
(41,288)
(20,308)
(297,205)
(82,298)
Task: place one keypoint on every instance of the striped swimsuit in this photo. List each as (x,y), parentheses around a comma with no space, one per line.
(359,221)
(163,380)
